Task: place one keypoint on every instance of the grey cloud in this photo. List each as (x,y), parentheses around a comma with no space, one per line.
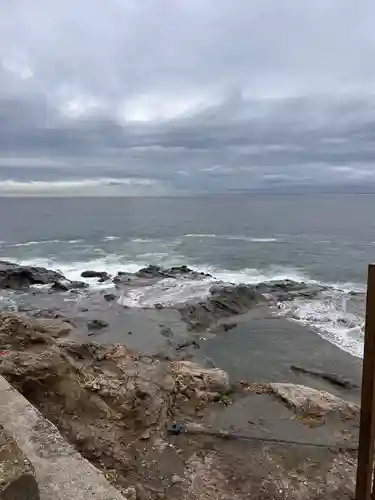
(193,94)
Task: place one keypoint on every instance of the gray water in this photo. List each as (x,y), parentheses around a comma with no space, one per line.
(327,238)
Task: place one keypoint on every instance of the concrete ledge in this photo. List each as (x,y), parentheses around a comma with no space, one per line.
(61,472)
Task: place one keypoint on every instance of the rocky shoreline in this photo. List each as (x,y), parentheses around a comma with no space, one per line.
(134,392)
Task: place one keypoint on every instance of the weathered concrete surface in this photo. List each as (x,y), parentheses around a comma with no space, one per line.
(61,472)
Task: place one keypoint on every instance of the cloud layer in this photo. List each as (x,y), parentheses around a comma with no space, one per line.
(184,96)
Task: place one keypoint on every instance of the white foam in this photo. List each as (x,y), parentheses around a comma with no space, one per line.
(233,237)
(167,292)
(143,240)
(253,276)
(41,242)
(33,243)
(72,270)
(331,317)
(193,235)
(111,238)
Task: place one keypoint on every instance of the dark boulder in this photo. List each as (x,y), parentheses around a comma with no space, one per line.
(109,297)
(64,286)
(223,301)
(166,332)
(96,324)
(153,272)
(122,278)
(15,276)
(282,290)
(95,274)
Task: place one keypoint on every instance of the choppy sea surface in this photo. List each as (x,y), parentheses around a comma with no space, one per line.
(326,239)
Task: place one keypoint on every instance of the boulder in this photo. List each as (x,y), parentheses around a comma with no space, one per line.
(66,285)
(199,378)
(283,290)
(109,297)
(153,272)
(96,324)
(122,278)
(223,301)
(311,402)
(15,276)
(95,274)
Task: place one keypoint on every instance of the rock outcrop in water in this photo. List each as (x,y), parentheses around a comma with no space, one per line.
(95,274)
(223,301)
(172,272)
(15,276)
(283,290)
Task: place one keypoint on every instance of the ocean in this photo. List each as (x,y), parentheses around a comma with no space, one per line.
(327,239)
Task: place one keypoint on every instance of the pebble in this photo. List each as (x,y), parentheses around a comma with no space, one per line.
(146,434)
(176,479)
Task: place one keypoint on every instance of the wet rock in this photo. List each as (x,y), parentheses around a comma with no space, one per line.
(283,290)
(159,306)
(333,378)
(59,287)
(176,428)
(311,402)
(223,301)
(64,286)
(166,332)
(96,324)
(95,274)
(122,278)
(188,343)
(110,297)
(103,279)
(15,276)
(153,272)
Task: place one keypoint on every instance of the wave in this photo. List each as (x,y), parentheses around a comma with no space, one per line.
(143,240)
(40,242)
(111,238)
(234,237)
(332,318)
(34,243)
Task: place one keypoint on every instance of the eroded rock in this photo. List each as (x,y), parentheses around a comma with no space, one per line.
(311,402)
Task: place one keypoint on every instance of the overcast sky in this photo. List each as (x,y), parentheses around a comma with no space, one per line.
(183,96)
